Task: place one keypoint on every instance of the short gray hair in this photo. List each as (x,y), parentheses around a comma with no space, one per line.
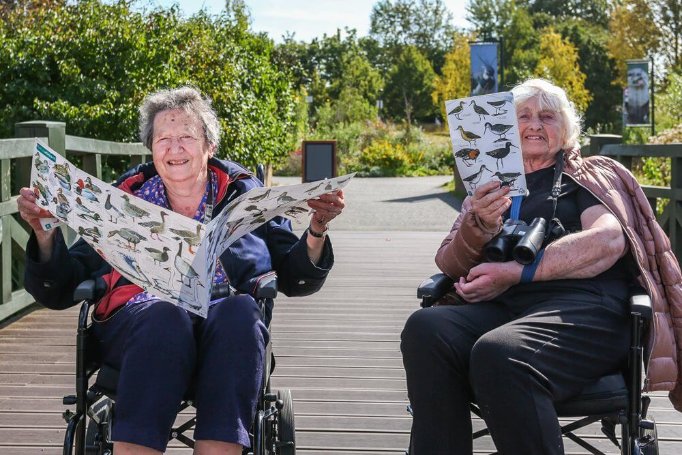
(552,98)
(186,98)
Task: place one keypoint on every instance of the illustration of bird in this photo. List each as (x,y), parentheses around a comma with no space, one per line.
(94,217)
(81,207)
(93,233)
(312,190)
(158,256)
(133,210)
(474,178)
(294,211)
(41,166)
(61,199)
(113,211)
(43,191)
(183,267)
(192,238)
(507,178)
(498,107)
(284,198)
(135,267)
(260,197)
(467,155)
(468,135)
(457,111)
(254,208)
(61,171)
(499,128)
(156,227)
(85,192)
(478,110)
(258,220)
(91,186)
(501,153)
(130,236)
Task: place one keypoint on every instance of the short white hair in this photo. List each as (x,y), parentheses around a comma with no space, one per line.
(553,98)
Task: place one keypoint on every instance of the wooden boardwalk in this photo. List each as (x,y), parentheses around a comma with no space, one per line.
(338,351)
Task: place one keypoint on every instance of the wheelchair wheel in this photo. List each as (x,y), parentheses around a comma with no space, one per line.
(647,443)
(285,424)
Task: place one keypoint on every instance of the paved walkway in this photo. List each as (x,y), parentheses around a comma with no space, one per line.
(395,204)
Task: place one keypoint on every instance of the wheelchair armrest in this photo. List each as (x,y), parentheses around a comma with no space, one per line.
(433,288)
(266,286)
(90,290)
(640,305)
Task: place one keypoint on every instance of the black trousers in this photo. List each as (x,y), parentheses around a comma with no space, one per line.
(537,344)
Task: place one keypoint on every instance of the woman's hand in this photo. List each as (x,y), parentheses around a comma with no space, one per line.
(488,280)
(31,213)
(326,207)
(488,204)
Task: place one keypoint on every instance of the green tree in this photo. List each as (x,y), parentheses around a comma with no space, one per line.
(90,64)
(559,64)
(424,24)
(409,86)
(633,34)
(591,11)
(455,81)
(669,20)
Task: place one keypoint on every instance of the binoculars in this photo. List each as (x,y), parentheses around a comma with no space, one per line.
(517,240)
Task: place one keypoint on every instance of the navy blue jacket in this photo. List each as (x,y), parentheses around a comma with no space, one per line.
(272,246)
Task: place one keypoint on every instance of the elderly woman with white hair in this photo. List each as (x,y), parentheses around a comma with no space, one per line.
(520,338)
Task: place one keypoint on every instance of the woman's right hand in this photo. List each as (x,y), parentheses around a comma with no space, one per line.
(31,213)
(489,203)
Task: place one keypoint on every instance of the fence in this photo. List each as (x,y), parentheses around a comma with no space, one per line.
(15,171)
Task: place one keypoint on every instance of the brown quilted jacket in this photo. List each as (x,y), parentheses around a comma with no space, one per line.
(659,270)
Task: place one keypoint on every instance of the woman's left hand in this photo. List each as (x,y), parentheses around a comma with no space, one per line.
(326,207)
(488,280)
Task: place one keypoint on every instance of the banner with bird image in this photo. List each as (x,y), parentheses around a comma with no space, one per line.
(485,141)
(167,254)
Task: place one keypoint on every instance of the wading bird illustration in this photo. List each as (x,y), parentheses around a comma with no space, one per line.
(133,266)
(156,227)
(284,198)
(499,128)
(130,236)
(93,217)
(81,207)
(498,107)
(474,178)
(467,155)
(295,211)
(478,110)
(192,238)
(457,111)
(500,153)
(312,190)
(507,178)
(85,192)
(468,135)
(133,210)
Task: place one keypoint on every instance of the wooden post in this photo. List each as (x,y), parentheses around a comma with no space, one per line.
(597,140)
(675,221)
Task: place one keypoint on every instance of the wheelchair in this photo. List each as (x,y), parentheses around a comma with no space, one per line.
(89,427)
(615,399)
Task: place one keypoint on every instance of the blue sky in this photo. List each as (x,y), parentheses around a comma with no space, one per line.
(307,18)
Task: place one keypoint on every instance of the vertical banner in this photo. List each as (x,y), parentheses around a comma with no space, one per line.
(636,94)
(483,68)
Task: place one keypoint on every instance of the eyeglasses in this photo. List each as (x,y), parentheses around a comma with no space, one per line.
(184,141)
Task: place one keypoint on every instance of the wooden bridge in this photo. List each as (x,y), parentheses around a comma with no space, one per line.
(338,351)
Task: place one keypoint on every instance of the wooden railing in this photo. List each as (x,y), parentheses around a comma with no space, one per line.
(671,217)
(15,171)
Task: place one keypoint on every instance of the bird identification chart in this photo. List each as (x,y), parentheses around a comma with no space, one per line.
(168,254)
(485,141)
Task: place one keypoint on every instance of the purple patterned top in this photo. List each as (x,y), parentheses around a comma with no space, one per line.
(154,191)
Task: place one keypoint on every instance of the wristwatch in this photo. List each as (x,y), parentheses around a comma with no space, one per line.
(318,235)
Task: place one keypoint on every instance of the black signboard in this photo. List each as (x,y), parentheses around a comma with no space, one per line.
(318,160)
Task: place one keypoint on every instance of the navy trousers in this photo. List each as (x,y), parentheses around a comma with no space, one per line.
(515,357)
(161,349)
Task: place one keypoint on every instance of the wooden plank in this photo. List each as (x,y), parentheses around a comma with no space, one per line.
(17,147)
(77,145)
